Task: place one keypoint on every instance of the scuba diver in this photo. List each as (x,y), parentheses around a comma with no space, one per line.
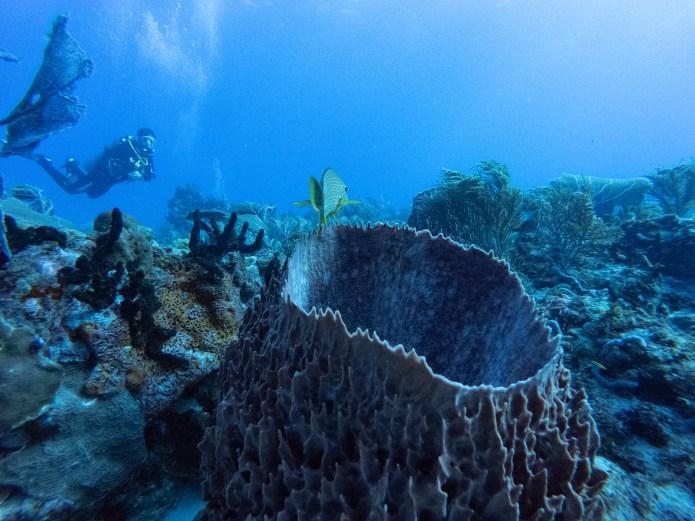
(128,159)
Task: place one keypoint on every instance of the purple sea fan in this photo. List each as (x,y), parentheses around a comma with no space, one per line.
(390,375)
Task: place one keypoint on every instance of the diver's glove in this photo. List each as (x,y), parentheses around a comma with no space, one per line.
(134,176)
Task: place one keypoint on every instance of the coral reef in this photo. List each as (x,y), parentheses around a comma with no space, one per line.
(186,199)
(662,245)
(83,449)
(19,239)
(674,189)
(481,209)
(101,334)
(628,336)
(220,241)
(27,382)
(562,226)
(321,418)
(5,252)
(620,199)
(110,345)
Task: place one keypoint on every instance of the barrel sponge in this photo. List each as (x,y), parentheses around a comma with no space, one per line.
(390,375)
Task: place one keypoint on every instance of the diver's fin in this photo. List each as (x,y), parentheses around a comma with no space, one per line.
(48,106)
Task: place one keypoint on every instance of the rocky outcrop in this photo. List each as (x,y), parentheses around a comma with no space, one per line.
(665,244)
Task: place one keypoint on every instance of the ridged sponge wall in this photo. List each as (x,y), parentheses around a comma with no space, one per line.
(392,375)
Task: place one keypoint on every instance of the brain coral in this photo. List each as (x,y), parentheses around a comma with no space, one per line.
(392,375)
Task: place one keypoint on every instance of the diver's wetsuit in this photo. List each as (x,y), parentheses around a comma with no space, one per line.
(123,161)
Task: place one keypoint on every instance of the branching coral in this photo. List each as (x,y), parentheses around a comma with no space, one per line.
(481,209)
(220,241)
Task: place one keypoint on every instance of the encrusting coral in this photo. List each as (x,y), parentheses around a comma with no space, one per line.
(387,374)
(157,323)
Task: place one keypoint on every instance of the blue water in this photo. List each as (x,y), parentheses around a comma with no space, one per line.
(386,92)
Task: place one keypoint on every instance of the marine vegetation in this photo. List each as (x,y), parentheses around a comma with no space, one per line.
(327,197)
(564,225)
(482,208)
(674,189)
(49,105)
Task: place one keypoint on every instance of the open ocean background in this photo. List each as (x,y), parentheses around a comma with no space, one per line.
(249,98)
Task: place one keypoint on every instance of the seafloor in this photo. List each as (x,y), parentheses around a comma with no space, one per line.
(112,340)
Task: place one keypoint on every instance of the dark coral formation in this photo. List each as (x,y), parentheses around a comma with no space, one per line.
(220,241)
(121,248)
(21,238)
(322,419)
(99,275)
